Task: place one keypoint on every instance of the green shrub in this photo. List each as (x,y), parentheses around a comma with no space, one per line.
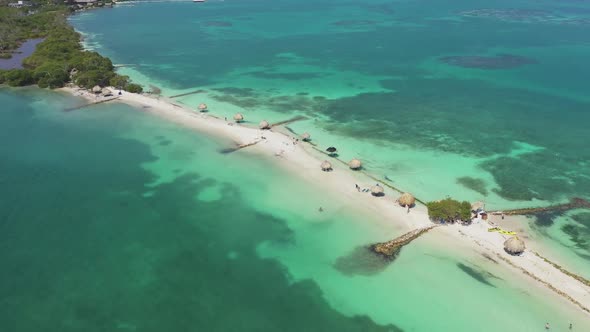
(133,88)
(91,78)
(449,210)
(51,76)
(119,81)
(18,77)
(87,61)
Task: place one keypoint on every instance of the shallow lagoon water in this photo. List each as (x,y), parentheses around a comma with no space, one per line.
(370,78)
(372,72)
(94,238)
(113,219)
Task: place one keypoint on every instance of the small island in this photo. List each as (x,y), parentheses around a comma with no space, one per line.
(59,58)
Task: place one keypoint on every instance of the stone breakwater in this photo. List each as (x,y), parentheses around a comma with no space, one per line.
(390,249)
(574,203)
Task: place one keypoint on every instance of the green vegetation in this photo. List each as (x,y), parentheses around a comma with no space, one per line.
(133,88)
(449,210)
(20,24)
(17,77)
(60,58)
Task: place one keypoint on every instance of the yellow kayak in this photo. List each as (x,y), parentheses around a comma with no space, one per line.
(507,232)
(501,231)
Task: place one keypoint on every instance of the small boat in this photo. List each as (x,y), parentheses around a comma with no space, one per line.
(198,0)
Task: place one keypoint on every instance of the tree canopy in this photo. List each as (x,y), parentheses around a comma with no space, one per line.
(449,210)
(59,58)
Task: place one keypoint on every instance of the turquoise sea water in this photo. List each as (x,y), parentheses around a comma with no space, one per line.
(113,220)
(371,70)
(476,100)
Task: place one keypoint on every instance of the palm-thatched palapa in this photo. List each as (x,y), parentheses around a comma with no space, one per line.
(355,164)
(479,205)
(377,190)
(326,166)
(96,89)
(264,124)
(202,107)
(407,200)
(239,117)
(106,92)
(514,246)
(306,137)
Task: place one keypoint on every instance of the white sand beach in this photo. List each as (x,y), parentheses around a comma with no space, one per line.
(303,161)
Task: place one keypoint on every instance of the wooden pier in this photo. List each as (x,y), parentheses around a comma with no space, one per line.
(239,147)
(123,65)
(69,109)
(187,93)
(297,118)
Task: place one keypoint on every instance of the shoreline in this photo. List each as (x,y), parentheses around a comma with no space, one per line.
(303,161)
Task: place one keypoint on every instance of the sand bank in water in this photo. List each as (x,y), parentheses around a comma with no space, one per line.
(303,161)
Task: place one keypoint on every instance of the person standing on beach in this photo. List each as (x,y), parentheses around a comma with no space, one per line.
(357,188)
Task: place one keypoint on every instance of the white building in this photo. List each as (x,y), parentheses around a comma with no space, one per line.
(19,4)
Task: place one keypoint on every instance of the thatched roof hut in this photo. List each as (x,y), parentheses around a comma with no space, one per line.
(326,166)
(407,199)
(514,246)
(377,190)
(96,89)
(306,137)
(202,107)
(355,164)
(239,117)
(106,92)
(264,124)
(479,205)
